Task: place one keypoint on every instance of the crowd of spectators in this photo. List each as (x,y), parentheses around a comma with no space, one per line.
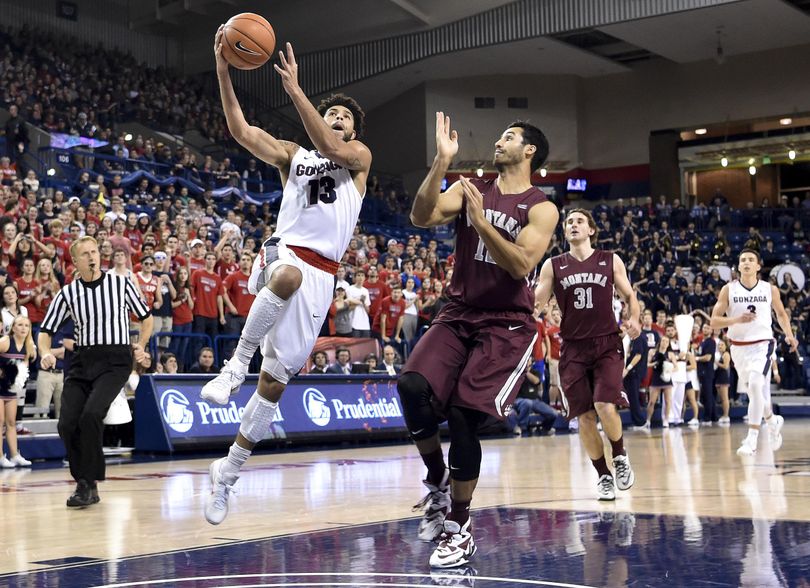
(65,85)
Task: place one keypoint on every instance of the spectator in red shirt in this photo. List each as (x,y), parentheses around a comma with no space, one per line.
(227,263)
(237,299)
(150,286)
(197,259)
(377,289)
(182,315)
(119,241)
(26,285)
(46,288)
(209,310)
(57,239)
(389,320)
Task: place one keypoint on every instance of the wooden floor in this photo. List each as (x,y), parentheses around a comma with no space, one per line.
(154,507)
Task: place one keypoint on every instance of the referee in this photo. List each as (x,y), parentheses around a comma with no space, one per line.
(99,304)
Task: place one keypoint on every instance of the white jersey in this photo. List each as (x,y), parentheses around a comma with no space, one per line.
(757,300)
(320,205)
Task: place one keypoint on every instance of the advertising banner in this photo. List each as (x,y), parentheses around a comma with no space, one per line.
(311,407)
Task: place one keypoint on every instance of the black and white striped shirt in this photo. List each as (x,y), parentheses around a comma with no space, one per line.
(100,309)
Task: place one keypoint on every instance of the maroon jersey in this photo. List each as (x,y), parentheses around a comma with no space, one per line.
(584,293)
(477,280)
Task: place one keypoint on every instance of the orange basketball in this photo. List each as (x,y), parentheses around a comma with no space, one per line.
(248,41)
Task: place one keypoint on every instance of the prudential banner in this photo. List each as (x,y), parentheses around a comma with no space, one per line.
(308,406)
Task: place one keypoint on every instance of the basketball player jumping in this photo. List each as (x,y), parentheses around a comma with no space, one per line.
(592,357)
(292,277)
(470,362)
(746,304)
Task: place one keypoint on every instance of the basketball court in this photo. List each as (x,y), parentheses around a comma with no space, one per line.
(698,515)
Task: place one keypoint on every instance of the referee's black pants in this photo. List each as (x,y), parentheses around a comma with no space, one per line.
(95,378)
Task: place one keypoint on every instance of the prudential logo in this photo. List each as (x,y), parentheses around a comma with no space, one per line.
(315,405)
(174,406)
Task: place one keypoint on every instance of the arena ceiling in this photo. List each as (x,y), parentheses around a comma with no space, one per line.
(716,32)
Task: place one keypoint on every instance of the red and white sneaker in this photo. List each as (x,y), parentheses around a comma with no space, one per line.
(456,546)
(436,505)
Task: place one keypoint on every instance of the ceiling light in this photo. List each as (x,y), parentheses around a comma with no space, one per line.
(785,121)
(724,161)
(128,137)
(752,170)
(751,161)
(543,172)
(792,154)
(51,172)
(479,172)
(700,131)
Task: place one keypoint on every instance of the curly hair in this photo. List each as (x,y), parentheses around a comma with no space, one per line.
(353,107)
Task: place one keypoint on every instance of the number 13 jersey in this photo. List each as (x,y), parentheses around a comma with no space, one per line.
(477,280)
(320,205)
(584,293)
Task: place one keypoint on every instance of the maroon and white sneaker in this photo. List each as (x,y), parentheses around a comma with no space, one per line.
(436,505)
(456,546)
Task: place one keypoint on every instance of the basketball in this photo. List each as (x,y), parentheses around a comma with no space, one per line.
(248,41)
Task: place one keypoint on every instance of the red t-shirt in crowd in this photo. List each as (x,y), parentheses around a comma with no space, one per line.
(537,350)
(182,314)
(149,288)
(376,292)
(135,238)
(25,290)
(554,340)
(226,269)
(236,285)
(206,287)
(392,311)
(62,246)
(195,264)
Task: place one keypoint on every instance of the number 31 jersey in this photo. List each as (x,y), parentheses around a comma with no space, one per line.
(477,280)
(584,293)
(319,207)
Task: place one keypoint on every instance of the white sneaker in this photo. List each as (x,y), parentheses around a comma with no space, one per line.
(19,461)
(775,427)
(227,382)
(216,505)
(665,424)
(624,472)
(605,489)
(436,506)
(693,423)
(748,447)
(456,546)
(645,428)
(724,421)
(6,463)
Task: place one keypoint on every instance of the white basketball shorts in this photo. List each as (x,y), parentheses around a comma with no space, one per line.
(752,358)
(288,344)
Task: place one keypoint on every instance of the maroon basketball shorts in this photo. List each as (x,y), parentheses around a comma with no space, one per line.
(474,358)
(591,371)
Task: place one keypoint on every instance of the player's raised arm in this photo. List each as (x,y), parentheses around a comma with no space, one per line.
(545,285)
(352,154)
(522,256)
(430,206)
(625,289)
(258,141)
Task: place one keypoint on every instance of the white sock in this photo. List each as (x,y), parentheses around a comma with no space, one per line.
(262,316)
(237,456)
(753,434)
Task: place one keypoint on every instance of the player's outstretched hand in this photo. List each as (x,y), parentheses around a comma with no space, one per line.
(632,328)
(793,342)
(288,70)
(446,139)
(222,65)
(475,202)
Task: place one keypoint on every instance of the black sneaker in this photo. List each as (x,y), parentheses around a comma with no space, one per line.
(82,497)
(94,497)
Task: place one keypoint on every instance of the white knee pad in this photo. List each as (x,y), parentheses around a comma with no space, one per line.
(756,400)
(257,418)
